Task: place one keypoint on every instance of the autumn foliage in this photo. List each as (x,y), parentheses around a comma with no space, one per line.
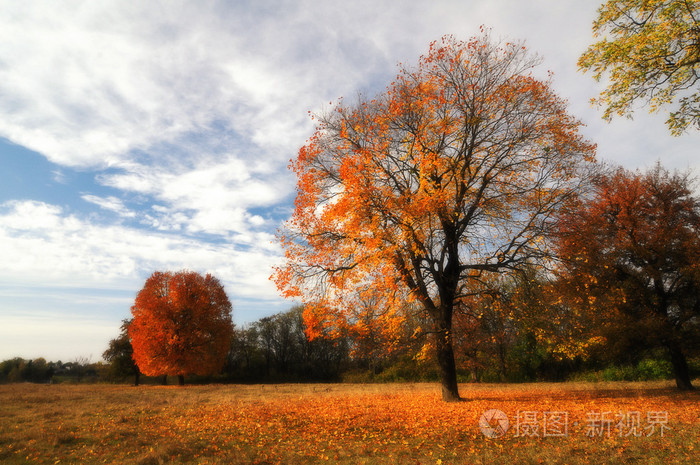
(181,324)
(649,49)
(630,262)
(412,199)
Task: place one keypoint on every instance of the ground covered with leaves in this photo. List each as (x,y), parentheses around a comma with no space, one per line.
(339,423)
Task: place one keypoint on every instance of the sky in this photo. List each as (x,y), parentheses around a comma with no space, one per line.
(141,136)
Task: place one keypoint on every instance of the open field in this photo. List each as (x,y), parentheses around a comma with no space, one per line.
(341,423)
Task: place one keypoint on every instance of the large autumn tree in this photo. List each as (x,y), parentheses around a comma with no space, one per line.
(411,198)
(650,50)
(630,259)
(181,325)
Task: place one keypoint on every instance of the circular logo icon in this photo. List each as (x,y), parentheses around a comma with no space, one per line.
(493,423)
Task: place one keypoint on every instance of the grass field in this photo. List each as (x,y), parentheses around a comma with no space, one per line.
(347,424)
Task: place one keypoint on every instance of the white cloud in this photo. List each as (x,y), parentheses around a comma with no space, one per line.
(110,203)
(32,216)
(86,83)
(213,197)
(89,83)
(42,242)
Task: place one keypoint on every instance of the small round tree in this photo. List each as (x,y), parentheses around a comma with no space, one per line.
(181,325)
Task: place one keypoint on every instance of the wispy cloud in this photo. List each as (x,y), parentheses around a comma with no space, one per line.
(88,84)
(214,196)
(68,251)
(110,203)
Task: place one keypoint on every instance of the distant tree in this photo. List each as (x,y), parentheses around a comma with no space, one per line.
(6,367)
(181,325)
(244,357)
(484,330)
(517,330)
(288,353)
(453,173)
(17,370)
(375,343)
(80,368)
(119,354)
(321,357)
(630,258)
(281,342)
(38,371)
(266,334)
(650,49)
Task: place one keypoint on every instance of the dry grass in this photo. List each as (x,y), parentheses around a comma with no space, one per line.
(335,423)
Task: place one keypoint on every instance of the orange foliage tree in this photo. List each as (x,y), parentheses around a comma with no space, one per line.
(181,325)
(630,261)
(413,197)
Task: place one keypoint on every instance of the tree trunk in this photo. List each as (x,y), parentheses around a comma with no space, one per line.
(181,380)
(137,378)
(164,381)
(448,369)
(502,362)
(680,367)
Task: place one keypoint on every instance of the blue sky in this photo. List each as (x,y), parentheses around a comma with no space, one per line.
(139,136)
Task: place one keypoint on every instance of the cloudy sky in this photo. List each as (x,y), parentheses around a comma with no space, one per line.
(139,136)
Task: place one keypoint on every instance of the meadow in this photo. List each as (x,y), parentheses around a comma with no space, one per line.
(569,423)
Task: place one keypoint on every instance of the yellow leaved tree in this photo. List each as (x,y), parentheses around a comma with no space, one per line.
(650,51)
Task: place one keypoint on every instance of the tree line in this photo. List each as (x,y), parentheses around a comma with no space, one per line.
(38,370)
(272,349)
(500,348)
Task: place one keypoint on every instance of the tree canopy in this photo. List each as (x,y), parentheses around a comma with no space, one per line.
(650,50)
(181,325)
(410,199)
(630,258)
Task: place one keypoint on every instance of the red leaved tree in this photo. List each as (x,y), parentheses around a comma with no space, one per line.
(453,173)
(181,325)
(630,261)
